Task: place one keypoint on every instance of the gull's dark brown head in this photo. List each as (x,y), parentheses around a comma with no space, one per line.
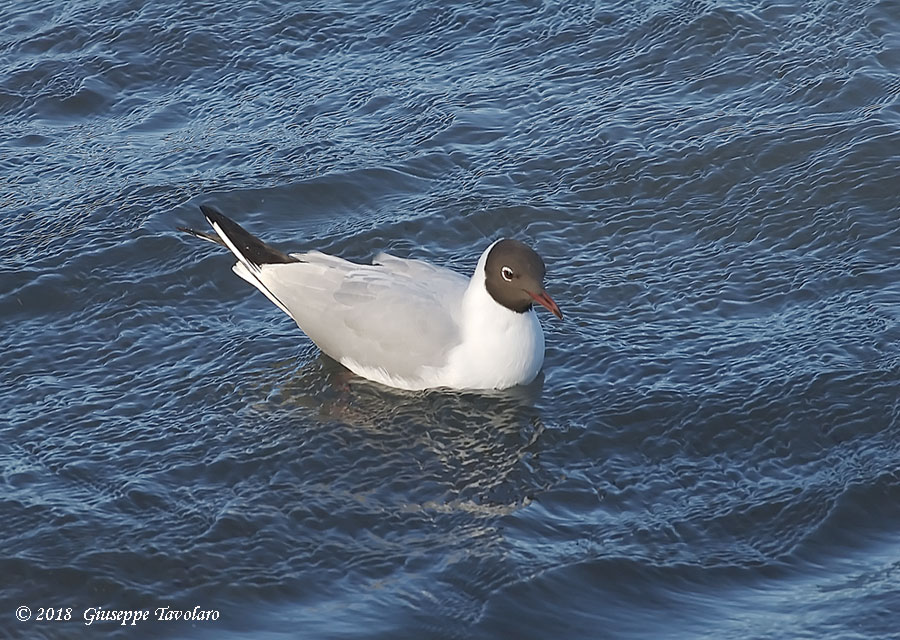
(514,276)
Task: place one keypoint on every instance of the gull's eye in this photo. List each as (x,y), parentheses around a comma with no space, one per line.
(507,274)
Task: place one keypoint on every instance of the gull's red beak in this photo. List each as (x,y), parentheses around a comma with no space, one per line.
(546,301)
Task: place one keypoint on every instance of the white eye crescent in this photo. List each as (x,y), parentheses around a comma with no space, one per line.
(507,274)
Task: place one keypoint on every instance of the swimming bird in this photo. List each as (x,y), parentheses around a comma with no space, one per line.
(405,323)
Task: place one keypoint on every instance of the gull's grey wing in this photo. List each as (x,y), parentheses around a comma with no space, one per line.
(400,316)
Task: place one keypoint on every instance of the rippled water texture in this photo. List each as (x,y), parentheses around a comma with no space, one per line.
(712,449)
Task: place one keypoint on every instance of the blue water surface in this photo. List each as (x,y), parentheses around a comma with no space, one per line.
(712,449)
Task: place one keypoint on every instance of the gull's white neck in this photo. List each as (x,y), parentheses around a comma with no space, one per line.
(500,347)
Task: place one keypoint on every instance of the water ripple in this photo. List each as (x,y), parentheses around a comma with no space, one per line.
(712,442)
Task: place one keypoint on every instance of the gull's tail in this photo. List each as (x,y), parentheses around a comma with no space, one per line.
(251,252)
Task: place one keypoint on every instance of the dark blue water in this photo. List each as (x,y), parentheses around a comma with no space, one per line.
(712,451)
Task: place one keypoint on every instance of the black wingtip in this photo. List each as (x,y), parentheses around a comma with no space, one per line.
(214,215)
(250,247)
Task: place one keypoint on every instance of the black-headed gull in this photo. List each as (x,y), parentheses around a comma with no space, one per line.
(406,323)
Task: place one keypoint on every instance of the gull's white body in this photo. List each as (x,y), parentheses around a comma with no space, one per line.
(403,323)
